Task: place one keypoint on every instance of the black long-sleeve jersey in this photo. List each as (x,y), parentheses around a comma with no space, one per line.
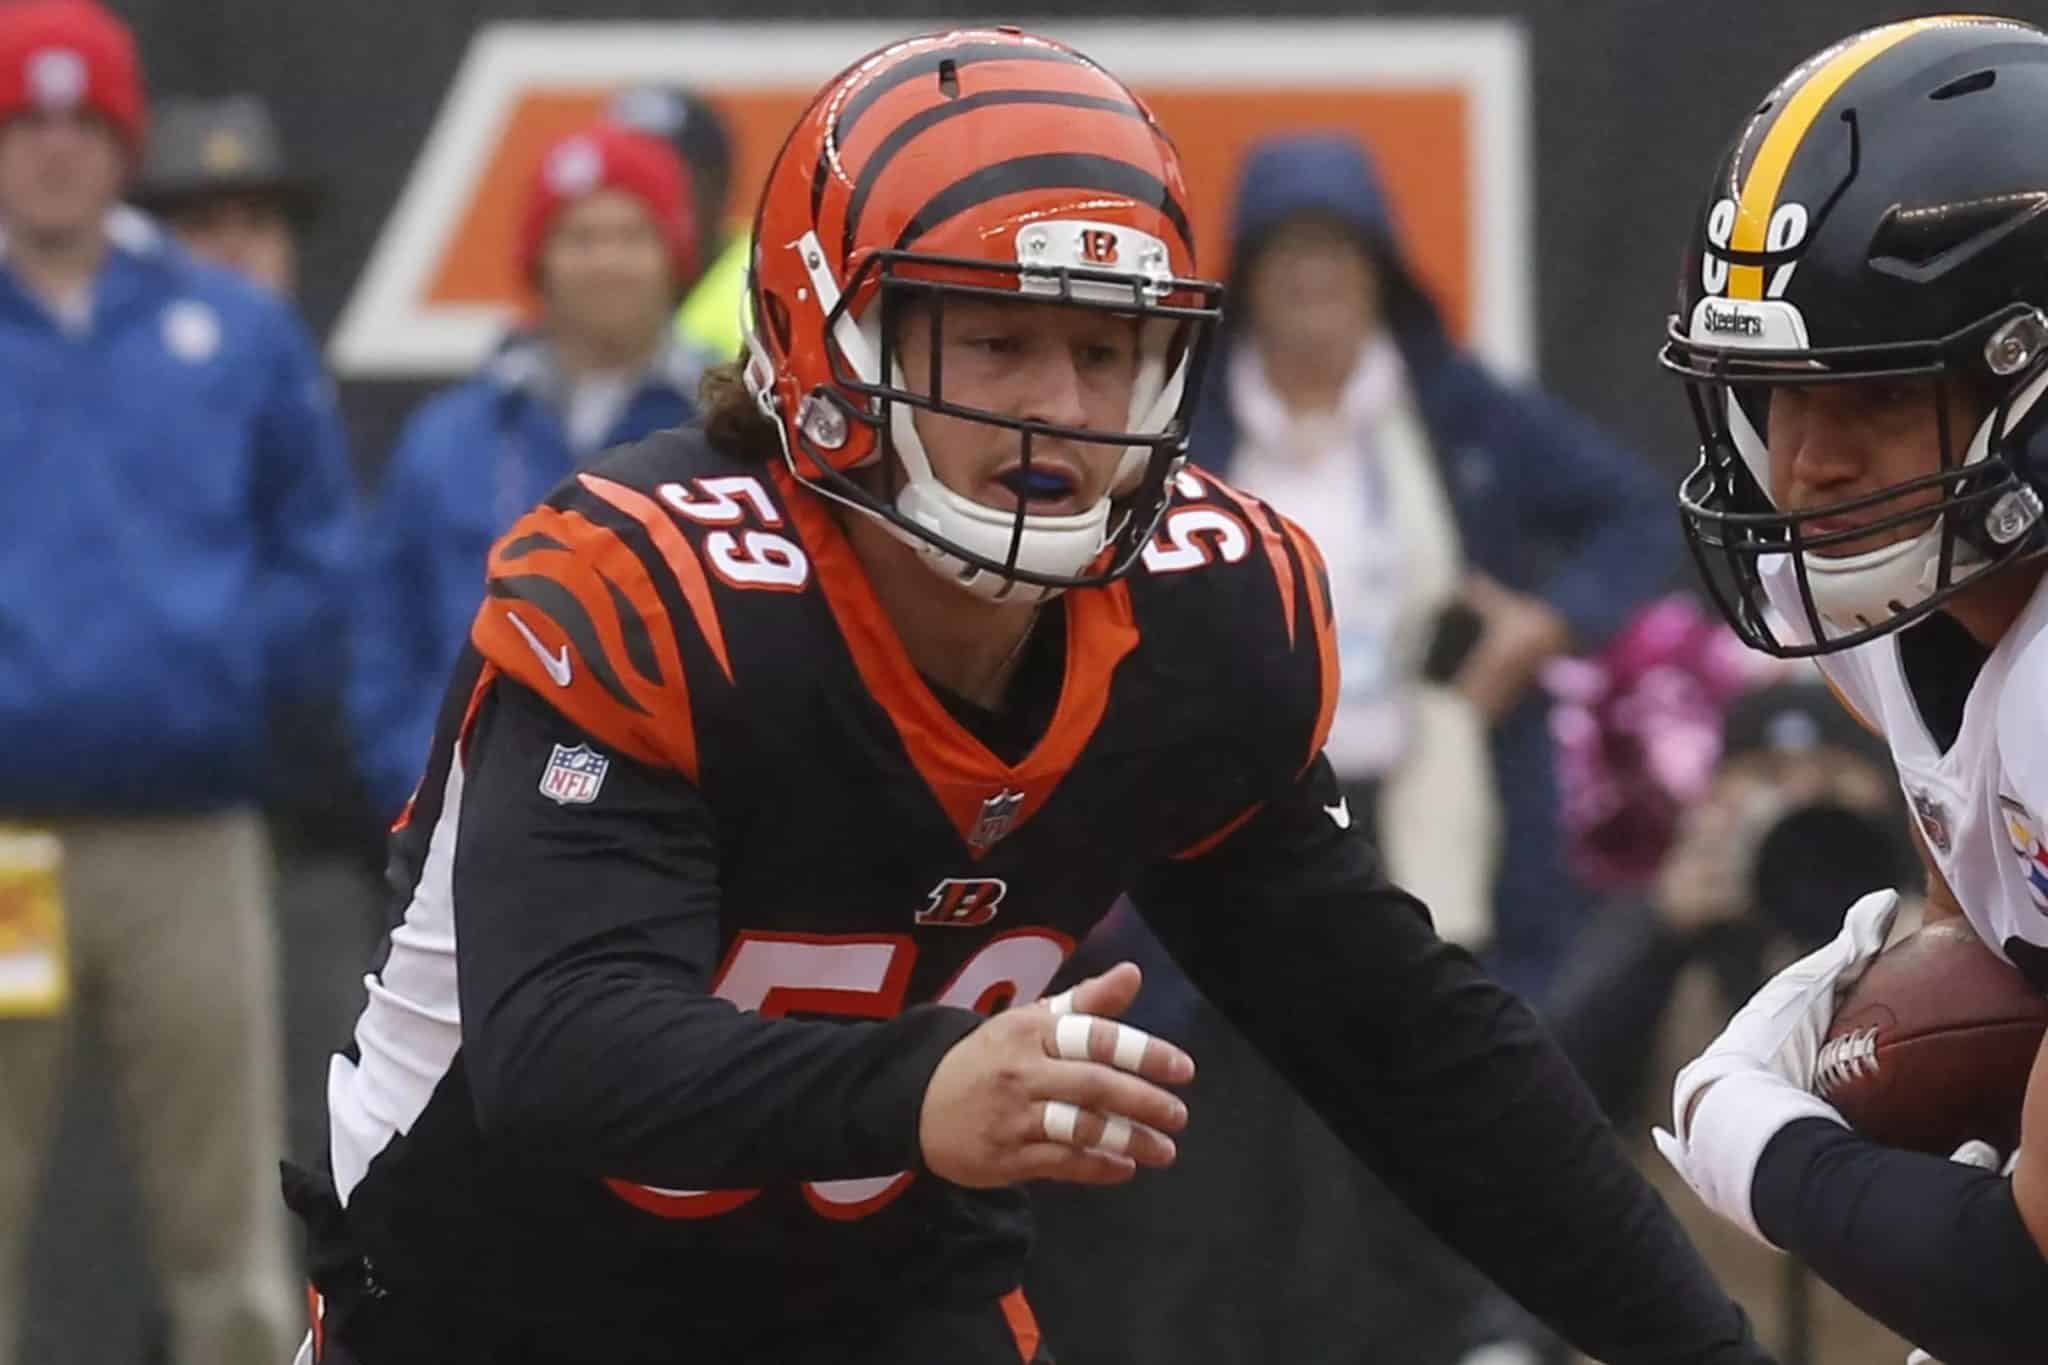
(703,879)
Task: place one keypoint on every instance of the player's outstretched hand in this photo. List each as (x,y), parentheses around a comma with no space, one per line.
(1058,1090)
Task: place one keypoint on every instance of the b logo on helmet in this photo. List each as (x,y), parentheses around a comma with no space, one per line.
(1098,246)
(56,78)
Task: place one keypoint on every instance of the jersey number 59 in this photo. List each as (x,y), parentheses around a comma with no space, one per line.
(855,976)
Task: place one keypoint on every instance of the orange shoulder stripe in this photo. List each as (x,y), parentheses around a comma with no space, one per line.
(1315,573)
(677,552)
(1236,823)
(573,615)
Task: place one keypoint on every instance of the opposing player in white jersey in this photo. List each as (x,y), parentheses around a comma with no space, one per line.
(1863,334)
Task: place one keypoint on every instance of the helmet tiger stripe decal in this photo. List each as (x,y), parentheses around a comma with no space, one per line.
(979,164)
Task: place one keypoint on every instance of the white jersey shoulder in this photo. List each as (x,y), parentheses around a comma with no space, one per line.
(1982,806)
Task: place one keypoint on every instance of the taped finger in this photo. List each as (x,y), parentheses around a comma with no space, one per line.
(1063,1003)
(1116,1135)
(1129,1053)
(1070,1036)
(1060,1119)
(1073,1039)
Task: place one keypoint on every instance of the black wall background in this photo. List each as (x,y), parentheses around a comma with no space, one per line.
(1632,101)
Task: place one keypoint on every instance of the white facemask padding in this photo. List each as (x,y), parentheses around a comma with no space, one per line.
(1056,546)
(1852,592)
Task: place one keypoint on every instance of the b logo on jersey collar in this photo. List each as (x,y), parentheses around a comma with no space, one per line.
(1933,818)
(2025,834)
(998,818)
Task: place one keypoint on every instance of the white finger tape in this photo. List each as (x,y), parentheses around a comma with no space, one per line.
(1116,1134)
(1063,1003)
(1060,1120)
(1070,1036)
(1130,1047)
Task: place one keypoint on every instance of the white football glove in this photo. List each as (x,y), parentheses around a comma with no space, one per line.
(1762,1066)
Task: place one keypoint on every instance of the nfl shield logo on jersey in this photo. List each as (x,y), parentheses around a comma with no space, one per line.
(998,816)
(1933,817)
(574,776)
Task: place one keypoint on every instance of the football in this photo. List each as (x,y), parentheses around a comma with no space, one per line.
(1934,1045)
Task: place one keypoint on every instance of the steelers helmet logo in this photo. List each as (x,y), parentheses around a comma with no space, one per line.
(575,167)
(56,78)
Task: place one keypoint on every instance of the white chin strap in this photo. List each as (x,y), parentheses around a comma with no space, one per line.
(1062,546)
(1852,592)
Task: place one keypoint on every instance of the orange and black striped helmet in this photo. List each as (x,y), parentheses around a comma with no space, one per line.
(974,163)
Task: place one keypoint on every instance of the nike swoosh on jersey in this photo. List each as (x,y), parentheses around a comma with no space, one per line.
(557,663)
(1340,814)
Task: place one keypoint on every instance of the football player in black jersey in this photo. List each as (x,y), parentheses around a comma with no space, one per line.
(792,755)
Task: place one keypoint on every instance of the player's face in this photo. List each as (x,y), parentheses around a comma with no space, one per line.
(604,273)
(1831,443)
(1071,367)
(59,174)
(247,233)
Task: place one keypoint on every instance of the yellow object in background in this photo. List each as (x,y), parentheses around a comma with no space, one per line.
(710,317)
(35,975)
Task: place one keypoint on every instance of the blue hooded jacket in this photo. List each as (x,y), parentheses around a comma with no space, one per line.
(470,462)
(1545,503)
(177,518)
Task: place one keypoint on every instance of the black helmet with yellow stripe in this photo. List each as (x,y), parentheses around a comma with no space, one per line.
(1881,218)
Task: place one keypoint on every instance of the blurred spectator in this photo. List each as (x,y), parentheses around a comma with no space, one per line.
(609,235)
(1801,817)
(1638,730)
(1472,533)
(1474,530)
(171,547)
(709,318)
(216,173)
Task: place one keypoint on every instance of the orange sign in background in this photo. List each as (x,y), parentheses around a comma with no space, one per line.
(1419,136)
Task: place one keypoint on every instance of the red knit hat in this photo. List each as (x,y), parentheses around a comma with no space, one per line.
(606,156)
(70,54)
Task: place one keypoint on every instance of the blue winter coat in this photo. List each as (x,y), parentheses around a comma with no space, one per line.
(469,463)
(177,516)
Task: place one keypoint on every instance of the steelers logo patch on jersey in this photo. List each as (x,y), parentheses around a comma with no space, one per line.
(2025,833)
